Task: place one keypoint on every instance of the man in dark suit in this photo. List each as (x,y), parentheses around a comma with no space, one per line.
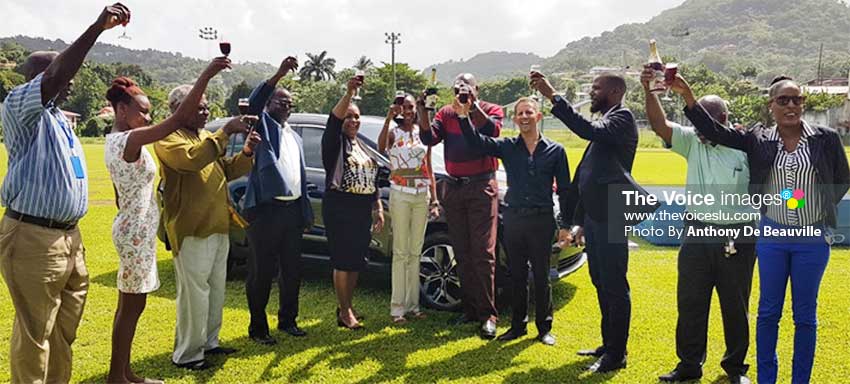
(605,167)
(278,209)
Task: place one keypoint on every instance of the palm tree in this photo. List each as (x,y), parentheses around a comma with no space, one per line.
(318,67)
(363,63)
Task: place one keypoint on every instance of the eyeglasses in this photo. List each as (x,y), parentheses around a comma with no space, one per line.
(784,100)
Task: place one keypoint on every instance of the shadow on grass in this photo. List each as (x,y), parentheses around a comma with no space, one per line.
(575,372)
(394,350)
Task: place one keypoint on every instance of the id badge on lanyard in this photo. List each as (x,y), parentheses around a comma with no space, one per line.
(76,162)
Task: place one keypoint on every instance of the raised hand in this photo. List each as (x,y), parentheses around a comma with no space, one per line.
(394,110)
(239,124)
(113,15)
(353,84)
(647,76)
(251,142)
(542,85)
(288,64)
(216,65)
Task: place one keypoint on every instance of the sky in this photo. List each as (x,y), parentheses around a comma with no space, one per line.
(431,31)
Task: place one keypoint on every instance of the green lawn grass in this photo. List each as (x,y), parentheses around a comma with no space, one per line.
(425,350)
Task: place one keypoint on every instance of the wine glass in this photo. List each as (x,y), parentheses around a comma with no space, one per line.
(535,68)
(670,71)
(360,75)
(224,47)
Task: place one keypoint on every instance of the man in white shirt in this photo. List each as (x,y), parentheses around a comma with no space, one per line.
(278,209)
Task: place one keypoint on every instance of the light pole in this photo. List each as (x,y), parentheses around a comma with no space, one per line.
(208,34)
(393,39)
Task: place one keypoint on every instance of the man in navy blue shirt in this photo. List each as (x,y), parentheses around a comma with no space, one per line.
(277,206)
(532,163)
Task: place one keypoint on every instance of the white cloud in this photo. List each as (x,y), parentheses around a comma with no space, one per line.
(432,32)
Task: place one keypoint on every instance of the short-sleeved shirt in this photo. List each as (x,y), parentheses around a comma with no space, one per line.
(712,169)
(41,180)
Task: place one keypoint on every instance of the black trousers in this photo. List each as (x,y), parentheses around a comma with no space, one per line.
(275,237)
(528,238)
(608,261)
(704,267)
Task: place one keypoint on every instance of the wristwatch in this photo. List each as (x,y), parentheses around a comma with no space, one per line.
(557,99)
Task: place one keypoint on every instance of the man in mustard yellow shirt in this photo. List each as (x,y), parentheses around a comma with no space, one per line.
(196,218)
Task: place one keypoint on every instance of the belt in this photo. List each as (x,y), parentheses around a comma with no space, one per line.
(41,222)
(410,190)
(469,179)
(531,211)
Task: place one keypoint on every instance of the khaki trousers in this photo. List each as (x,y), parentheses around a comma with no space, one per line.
(45,272)
(409,214)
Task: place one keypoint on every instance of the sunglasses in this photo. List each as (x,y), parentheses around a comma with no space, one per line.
(784,100)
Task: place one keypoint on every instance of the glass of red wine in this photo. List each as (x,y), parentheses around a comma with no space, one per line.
(224,47)
(360,75)
(670,71)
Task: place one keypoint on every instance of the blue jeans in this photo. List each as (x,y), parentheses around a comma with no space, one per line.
(803,260)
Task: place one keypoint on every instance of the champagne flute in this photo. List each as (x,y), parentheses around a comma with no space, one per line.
(224,47)
(360,75)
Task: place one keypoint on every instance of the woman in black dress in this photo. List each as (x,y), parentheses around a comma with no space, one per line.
(351,194)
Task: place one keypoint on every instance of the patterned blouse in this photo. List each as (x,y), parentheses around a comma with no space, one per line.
(408,160)
(359,172)
(794,173)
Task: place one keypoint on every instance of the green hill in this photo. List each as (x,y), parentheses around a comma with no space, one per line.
(728,36)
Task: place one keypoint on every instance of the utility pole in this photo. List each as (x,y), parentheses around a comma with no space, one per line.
(393,39)
(820,62)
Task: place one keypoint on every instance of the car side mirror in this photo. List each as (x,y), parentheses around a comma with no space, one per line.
(383,177)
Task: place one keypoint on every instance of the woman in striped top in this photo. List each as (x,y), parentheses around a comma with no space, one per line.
(807,166)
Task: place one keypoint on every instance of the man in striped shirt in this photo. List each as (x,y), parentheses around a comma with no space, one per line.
(471,198)
(45,194)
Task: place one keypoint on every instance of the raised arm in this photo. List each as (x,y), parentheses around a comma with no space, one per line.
(479,141)
(386,137)
(260,96)
(706,125)
(342,105)
(654,112)
(429,132)
(184,156)
(65,66)
(186,111)
(487,122)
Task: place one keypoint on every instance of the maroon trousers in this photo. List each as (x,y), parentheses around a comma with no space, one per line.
(471,211)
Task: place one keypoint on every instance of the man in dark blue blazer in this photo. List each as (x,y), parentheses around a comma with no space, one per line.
(277,207)
(602,174)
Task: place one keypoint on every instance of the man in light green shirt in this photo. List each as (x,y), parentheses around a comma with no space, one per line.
(709,262)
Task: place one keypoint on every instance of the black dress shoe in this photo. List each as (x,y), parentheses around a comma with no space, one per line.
(676,375)
(512,334)
(598,352)
(264,339)
(197,365)
(607,363)
(546,338)
(739,379)
(221,351)
(293,331)
(488,330)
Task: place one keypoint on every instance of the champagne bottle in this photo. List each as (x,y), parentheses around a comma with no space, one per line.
(431,92)
(657,85)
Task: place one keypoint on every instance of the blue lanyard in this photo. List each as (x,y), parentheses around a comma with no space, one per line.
(66,130)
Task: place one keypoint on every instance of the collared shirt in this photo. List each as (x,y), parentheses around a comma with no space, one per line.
(41,180)
(194,176)
(531,177)
(712,170)
(461,160)
(795,171)
(290,162)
